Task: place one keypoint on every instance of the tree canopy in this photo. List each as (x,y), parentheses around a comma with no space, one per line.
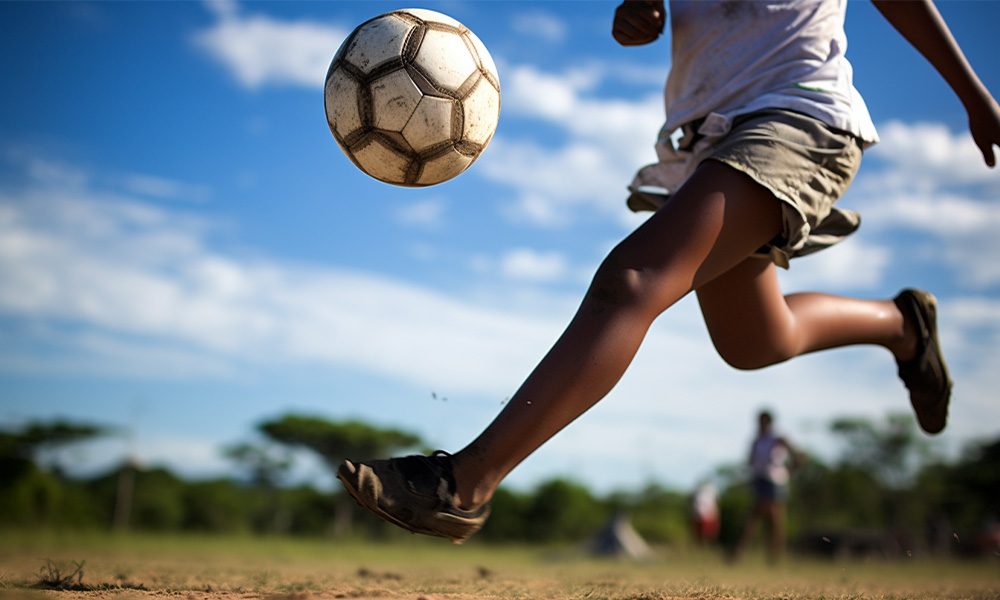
(36,437)
(336,440)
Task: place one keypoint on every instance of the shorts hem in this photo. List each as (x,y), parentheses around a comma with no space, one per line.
(777,251)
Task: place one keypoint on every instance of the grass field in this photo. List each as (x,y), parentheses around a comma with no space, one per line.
(222,568)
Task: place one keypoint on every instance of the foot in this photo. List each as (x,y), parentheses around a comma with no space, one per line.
(925,375)
(415,492)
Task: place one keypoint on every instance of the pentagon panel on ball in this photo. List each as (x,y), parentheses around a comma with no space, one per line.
(412,97)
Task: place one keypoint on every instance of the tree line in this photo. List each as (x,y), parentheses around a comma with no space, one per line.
(884,484)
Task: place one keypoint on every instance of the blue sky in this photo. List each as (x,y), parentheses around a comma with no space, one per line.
(185,252)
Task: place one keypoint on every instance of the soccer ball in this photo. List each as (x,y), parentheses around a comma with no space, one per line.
(412,97)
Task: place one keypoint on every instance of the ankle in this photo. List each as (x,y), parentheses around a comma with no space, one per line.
(471,489)
(471,499)
(905,348)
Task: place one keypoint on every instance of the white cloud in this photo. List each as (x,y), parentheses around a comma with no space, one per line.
(851,264)
(608,138)
(606,141)
(568,101)
(975,261)
(939,211)
(548,96)
(426,213)
(929,155)
(973,332)
(541,25)
(140,282)
(64,176)
(164,189)
(52,172)
(260,50)
(108,285)
(524,263)
(188,456)
(925,179)
(554,186)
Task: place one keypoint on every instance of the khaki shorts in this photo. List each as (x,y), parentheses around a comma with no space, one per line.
(806,165)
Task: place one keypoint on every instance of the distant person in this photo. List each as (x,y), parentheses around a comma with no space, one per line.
(773,133)
(705,514)
(772,459)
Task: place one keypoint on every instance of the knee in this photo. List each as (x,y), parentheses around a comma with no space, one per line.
(621,282)
(751,354)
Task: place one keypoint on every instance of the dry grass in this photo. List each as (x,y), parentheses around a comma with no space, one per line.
(222,568)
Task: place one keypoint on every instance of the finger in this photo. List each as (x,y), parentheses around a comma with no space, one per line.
(628,32)
(646,18)
(985,142)
(652,21)
(624,31)
(988,155)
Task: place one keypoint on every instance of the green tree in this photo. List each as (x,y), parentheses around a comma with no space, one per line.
(307,510)
(660,515)
(562,511)
(30,494)
(335,441)
(961,499)
(265,464)
(217,506)
(507,522)
(158,502)
(827,498)
(34,439)
(891,451)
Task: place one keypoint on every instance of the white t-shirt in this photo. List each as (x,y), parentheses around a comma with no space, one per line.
(705,503)
(734,57)
(768,459)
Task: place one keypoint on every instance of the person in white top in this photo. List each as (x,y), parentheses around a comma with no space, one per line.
(705,514)
(771,460)
(732,59)
(773,133)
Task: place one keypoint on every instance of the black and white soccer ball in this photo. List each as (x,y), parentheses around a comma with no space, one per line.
(412,97)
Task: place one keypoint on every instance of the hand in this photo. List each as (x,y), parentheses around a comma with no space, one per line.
(922,25)
(984,124)
(639,22)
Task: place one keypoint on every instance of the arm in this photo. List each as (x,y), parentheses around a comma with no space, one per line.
(921,24)
(639,22)
(796,457)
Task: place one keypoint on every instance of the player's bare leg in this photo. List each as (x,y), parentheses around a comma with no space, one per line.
(776,531)
(753,325)
(760,511)
(712,224)
(717,219)
(702,236)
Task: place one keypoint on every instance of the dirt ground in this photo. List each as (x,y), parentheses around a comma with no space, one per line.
(211,568)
